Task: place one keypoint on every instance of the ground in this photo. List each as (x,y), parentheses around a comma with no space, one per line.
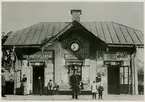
(68,97)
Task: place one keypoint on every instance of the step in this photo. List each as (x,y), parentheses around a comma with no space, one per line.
(69,92)
(66,87)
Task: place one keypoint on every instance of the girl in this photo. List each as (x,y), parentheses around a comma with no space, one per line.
(94,90)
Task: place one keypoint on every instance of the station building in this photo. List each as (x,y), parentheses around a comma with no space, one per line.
(53,50)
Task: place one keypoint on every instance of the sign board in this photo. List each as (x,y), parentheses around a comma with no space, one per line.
(117,56)
(69,56)
(40,55)
(109,56)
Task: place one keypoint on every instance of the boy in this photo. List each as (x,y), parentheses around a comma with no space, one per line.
(100,91)
(94,90)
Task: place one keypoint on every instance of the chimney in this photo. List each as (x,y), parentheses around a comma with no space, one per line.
(76,14)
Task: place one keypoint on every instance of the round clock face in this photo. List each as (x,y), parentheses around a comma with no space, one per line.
(74,46)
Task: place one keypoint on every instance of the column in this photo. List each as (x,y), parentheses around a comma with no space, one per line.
(92,70)
(57,56)
(134,74)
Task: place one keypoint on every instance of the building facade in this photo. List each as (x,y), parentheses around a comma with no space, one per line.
(53,50)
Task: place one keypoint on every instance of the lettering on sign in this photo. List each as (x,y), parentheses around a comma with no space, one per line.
(109,56)
(40,55)
(68,56)
(122,56)
(116,56)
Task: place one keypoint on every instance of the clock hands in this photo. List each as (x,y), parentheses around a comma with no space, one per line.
(73,46)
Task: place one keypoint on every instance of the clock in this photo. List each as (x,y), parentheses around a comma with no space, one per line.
(74,46)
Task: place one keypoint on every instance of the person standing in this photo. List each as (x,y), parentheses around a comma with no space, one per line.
(100,91)
(24,84)
(40,86)
(3,83)
(94,90)
(74,83)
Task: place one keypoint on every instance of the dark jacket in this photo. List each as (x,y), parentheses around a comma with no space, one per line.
(75,82)
(40,83)
(100,89)
(3,80)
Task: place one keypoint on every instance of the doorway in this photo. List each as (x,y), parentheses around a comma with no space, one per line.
(113,79)
(38,71)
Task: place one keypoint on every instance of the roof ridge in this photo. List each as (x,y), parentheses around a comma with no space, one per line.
(54,22)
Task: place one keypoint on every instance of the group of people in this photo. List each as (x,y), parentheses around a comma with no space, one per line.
(97,88)
(52,88)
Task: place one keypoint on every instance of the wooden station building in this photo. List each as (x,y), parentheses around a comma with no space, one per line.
(50,49)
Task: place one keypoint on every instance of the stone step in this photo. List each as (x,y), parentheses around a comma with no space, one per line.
(69,92)
(67,87)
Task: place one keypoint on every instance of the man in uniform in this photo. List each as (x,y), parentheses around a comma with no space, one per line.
(74,83)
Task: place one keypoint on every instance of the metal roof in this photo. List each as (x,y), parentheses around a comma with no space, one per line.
(109,32)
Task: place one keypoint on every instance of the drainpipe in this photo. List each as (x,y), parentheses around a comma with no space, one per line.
(135,81)
(131,88)
(134,72)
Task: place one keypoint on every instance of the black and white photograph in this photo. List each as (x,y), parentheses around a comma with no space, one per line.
(72,50)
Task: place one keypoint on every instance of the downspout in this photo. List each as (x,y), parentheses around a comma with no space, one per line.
(134,70)
(131,88)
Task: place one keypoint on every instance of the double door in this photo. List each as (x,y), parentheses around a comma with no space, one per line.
(119,80)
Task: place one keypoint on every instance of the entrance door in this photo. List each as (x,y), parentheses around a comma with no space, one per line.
(38,71)
(113,79)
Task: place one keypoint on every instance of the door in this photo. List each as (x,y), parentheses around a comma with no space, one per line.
(113,79)
(125,81)
(38,71)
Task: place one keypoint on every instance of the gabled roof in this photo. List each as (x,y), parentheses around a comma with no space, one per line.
(109,32)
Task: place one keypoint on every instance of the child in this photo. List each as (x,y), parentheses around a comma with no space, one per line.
(100,91)
(94,90)
(55,89)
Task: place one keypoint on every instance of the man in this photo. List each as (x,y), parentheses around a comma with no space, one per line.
(24,84)
(3,83)
(75,82)
(50,87)
(40,86)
